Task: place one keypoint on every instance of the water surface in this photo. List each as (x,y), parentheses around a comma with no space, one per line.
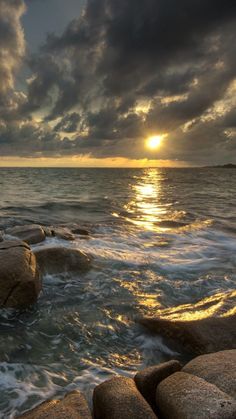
(159,238)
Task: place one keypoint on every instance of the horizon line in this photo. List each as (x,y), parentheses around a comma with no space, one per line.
(110,167)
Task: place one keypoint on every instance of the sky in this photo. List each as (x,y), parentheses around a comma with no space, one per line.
(87,82)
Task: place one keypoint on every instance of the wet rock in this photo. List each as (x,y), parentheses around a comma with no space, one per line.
(76,229)
(119,398)
(148,379)
(62,233)
(31,234)
(55,260)
(80,231)
(73,406)
(218,368)
(208,326)
(20,282)
(47,231)
(184,396)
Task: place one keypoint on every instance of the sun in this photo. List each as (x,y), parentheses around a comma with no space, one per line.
(154,141)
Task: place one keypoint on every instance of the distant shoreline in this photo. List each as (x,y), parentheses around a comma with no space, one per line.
(224,166)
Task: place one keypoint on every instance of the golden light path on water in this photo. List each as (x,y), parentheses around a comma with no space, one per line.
(145,207)
(150,211)
(146,210)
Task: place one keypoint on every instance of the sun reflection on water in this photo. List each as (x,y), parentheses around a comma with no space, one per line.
(145,207)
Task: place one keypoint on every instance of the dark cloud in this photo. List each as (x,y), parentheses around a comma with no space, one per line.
(12,46)
(127,69)
(69,123)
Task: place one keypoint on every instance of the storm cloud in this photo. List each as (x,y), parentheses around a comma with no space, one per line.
(120,72)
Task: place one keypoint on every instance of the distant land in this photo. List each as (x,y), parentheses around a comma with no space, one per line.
(223,166)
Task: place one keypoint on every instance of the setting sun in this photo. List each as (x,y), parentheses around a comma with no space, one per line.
(155,141)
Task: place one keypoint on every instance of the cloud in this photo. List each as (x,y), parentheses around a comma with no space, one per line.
(12,48)
(12,44)
(124,70)
(69,123)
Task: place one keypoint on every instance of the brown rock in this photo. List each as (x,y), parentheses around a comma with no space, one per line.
(73,406)
(119,398)
(76,229)
(55,260)
(148,379)
(184,396)
(218,368)
(208,326)
(47,231)
(20,282)
(30,234)
(62,233)
(80,231)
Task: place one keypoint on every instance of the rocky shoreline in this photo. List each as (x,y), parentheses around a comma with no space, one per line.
(203,388)
(22,269)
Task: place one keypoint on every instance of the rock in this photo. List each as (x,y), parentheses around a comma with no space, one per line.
(76,229)
(31,234)
(62,233)
(119,398)
(208,326)
(73,406)
(80,231)
(218,368)
(148,379)
(184,396)
(20,282)
(47,231)
(1,236)
(55,260)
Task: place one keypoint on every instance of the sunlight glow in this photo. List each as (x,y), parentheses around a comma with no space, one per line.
(155,141)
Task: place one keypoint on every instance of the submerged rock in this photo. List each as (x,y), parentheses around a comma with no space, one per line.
(73,406)
(119,398)
(205,327)
(63,233)
(47,231)
(184,396)
(76,229)
(148,379)
(80,231)
(55,260)
(31,234)
(218,368)
(20,282)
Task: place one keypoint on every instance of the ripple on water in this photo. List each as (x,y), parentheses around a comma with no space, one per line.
(158,244)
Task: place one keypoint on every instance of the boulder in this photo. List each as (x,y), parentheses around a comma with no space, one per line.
(73,406)
(62,233)
(47,231)
(80,231)
(20,282)
(76,229)
(218,368)
(208,326)
(184,396)
(55,260)
(148,379)
(31,234)
(119,398)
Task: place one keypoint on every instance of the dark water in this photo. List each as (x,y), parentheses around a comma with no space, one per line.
(159,238)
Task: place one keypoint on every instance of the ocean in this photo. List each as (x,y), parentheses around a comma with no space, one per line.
(159,238)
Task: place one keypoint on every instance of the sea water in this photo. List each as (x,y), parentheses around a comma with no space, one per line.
(159,238)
